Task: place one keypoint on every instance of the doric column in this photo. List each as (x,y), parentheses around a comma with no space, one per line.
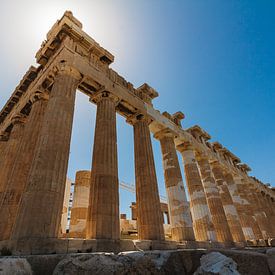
(10,153)
(270,209)
(65,210)
(179,209)
(242,204)
(214,200)
(149,216)
(103,213)
(228,204)
(22,164)
(40,210)
(79,212)
(259,211)
(3,144)
(202,220)
(133,211)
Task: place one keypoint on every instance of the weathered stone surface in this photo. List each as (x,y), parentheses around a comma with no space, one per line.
(216,263)
(18,175)
(271,242)
(70,59)
(202,221)
(241,200)
(149,216)
(80,205)
(142,262)
(15,266)
(65,210)
(214,201)
(271,259)
(228,204)
(249,262)
(41,206)
(179,207)
(103,211)
(8,158)
(104,263)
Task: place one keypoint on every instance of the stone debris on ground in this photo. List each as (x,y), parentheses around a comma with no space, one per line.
(217,263)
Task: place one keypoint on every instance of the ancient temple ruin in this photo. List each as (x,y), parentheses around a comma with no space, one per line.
(227,206)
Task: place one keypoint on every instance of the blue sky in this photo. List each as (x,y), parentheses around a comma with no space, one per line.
(214,60)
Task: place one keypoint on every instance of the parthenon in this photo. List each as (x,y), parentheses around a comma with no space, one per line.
(226,206)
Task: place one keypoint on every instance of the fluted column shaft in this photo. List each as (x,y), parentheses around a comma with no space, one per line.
(202,220)
(230,210)
(79,212)
(21,167)
(259,212)
(214,201)
(238,194)
(149,215)
(10,153)
(40,210)
(179,208)
(270,209)
(3,146)
(103,213)
(268,213)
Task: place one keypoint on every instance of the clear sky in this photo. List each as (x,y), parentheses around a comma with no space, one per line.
(214,60)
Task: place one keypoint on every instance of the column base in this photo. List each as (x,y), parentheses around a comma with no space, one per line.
(63,246)
(258,243)
(66,246)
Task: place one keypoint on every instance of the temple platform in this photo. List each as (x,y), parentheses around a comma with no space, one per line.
(69,245)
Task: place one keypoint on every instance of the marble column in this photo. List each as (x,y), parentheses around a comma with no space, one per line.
(10,153)
(202,220)
(65,210)
(238,194)
(3,144)
(41,206)
(79,212)
(149,216)
(133,211)
(103,213)
(214,200)
(179,208)
(228,204)
(230,210)
(270,209)
(258,210)
(22,164)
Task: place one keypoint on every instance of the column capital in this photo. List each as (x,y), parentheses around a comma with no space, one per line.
(18,119)
(166,132)
(185,146)
(216,163)
(133,119)
(201,156)
(4,136)
(63,68)
(102,94)
(175,118)
(39,95)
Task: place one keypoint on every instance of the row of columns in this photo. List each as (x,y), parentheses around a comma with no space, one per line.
(35,159)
